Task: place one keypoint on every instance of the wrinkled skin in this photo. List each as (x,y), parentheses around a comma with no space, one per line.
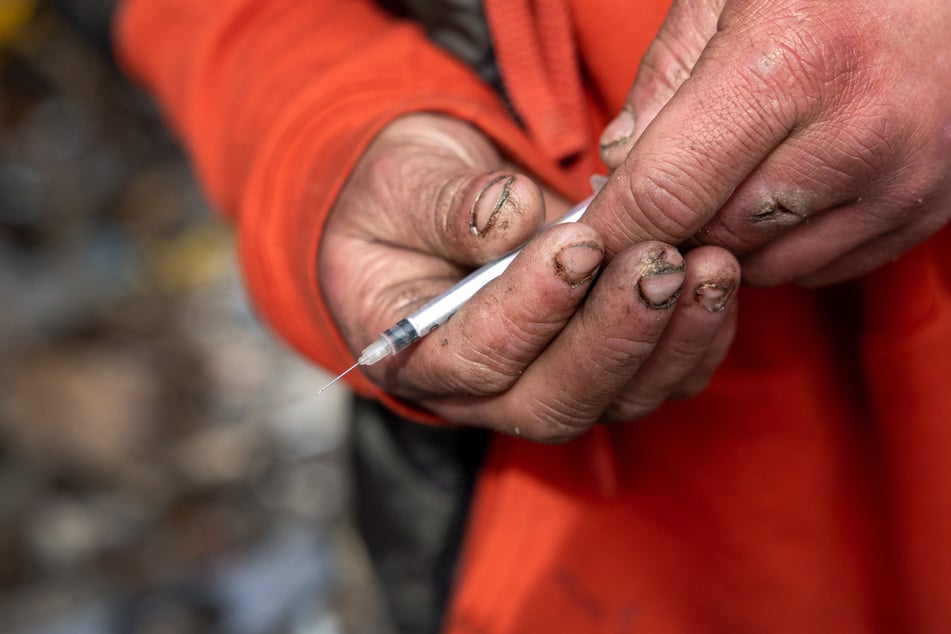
(811,138)
(531,354)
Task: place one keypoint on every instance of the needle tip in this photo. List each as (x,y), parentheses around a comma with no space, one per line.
(338,377)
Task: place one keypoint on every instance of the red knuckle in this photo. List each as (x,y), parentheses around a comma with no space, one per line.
(480,377)
(668,205)
(666,66)
(557,422)
(811,63)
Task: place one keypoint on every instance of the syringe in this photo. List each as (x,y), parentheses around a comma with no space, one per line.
(437,311)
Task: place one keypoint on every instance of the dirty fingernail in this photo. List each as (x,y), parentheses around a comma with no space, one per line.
(578,263)
(616,136)
(488,203)
(661,290)
(662,277)
(714,296)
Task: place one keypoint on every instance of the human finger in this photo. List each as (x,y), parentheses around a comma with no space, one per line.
(567,387)
(864,243)
(485,347)
(694,342)
(819,168)
(667,63)
(871,255)
(756,83)
(436,185)
(400,229)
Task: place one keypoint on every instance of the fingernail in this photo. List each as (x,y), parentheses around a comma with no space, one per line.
(490,200)
(714,296)
(578,263)
(661,290)
(615,138)
(662,279)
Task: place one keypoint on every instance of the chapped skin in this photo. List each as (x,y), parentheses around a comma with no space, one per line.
(808,141)
(560,309)
(812,139)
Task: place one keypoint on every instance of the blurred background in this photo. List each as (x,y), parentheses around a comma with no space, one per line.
(164,463)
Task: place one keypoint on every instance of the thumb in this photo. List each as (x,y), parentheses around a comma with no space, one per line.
(436,185)
(669,61)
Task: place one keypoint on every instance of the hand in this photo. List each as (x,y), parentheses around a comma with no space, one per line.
(542,351)
(812,138)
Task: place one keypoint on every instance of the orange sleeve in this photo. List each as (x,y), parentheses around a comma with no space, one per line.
(276,100)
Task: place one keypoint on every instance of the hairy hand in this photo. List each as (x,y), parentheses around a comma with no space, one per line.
(544,351)
(811,138)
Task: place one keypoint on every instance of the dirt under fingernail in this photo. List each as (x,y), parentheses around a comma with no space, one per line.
(660,290)
(488,204)
(714,296)
(661,279)
(577,264)
(616,136)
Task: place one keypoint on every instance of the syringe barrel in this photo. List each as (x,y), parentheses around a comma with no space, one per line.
(435,313)
(441,308)
(401,335)
(438,310)
(390,341)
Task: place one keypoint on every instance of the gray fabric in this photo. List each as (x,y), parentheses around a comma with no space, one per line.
(413,485)
(459,27)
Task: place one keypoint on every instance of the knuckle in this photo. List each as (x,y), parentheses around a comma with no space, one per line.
(618,355)
(910,164)
(451,376)
(869,140)
(816,56)
(681,354)
(494,362)
(558,420)
(743,229)
(644,397)
(668,202)
(723,231)
(665,68)
(479,375)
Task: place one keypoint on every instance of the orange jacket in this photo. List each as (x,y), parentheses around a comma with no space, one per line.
(807,490)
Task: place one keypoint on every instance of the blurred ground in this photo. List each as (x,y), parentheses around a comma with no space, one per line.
(164,465)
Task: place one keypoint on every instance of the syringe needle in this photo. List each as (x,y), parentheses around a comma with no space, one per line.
(383,347)
(438,310)
(339,376)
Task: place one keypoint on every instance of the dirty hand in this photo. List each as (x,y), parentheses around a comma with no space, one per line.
(534,353)
(813,139)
